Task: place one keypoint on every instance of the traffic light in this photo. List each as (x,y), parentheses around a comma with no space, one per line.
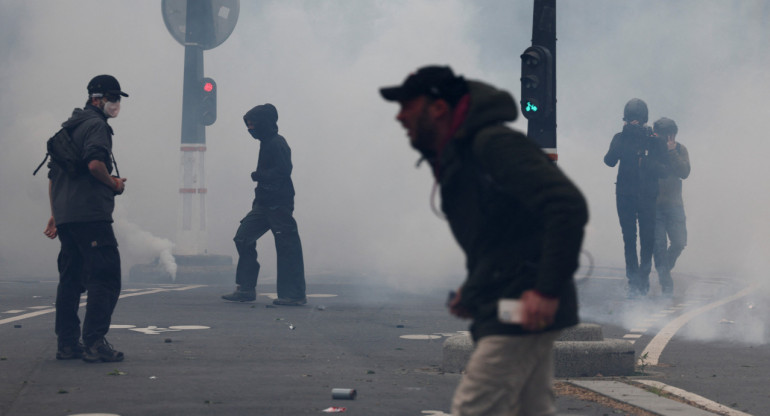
(208,103)
(537,83)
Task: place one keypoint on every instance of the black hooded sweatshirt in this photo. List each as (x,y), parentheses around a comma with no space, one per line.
(517,217)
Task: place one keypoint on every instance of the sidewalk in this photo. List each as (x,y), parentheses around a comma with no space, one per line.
(610,397)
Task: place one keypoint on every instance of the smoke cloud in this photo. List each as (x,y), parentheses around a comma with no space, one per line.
(362,207)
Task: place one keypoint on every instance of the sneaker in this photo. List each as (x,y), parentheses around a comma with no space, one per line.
(102,351)
(70,352)
(290,302)
(241,295)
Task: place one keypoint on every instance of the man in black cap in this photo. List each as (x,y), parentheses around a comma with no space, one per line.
(81,216)
(640,154)
(271,210)
(520,222)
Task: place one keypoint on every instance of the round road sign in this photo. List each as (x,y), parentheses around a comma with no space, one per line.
(204,23)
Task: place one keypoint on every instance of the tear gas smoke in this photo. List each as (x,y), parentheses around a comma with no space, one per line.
(361,207)
(140,246)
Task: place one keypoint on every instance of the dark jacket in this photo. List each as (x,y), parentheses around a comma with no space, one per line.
(84,198)
(273,173)
(642,157)
(517,217)
(677,167)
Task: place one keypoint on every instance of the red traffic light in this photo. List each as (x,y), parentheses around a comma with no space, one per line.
(208,87)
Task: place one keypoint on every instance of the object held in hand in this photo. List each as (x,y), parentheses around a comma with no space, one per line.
(509,311)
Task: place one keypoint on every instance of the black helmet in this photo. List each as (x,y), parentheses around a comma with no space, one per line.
(665,127)
(636,109)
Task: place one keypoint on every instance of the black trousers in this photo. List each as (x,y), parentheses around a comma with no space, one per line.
(633,208)
(89,261)
(288,249)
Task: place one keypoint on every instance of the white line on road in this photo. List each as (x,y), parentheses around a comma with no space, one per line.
(50,310)
(652,351)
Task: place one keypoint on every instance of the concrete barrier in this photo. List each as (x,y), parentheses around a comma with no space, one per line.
(580,351)
(609,357)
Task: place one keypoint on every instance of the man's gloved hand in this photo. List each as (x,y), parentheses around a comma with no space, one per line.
(254,176)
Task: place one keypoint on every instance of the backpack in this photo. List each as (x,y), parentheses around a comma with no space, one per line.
(64,153)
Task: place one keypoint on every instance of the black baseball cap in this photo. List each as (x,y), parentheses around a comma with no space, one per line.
(433,81)
(105,84)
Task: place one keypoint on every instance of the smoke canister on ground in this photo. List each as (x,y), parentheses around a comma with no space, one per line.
(344,394)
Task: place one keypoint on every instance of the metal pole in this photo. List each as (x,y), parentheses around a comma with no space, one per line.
(543,132)
(191,227)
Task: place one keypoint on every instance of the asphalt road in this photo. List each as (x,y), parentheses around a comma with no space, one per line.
(188,352)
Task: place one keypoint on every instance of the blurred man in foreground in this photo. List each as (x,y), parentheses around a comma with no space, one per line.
(520,223)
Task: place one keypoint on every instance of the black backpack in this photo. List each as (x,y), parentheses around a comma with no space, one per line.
(66,154)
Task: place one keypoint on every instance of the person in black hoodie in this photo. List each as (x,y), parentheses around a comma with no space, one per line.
(81,216)
(520,222)
(271,210)
(641,156)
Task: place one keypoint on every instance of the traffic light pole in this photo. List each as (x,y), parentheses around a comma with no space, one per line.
(191,223)
(543,130)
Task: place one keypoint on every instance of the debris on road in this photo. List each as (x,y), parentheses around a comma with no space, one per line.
(344,394)
(334,410)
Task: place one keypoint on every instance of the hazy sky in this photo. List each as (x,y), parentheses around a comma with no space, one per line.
(362,206)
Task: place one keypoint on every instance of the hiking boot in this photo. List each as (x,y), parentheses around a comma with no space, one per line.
(70,352)
(290,302)
(102,351)
(241,295)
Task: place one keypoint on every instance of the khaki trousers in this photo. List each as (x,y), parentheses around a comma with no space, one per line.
(508,375)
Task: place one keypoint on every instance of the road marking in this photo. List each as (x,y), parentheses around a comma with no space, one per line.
(420,336)
(187,327)
(274,296)
(692,397)
(608,277)
(652,351)
(15,311)
(127,295)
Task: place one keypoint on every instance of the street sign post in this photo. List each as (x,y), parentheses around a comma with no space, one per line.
(197,25)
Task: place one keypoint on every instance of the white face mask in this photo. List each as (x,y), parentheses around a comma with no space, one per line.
(111,109)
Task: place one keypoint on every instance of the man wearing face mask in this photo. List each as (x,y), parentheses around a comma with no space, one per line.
(271,210)
(81,216)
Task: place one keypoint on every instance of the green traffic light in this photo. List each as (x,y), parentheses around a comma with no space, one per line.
(530,107)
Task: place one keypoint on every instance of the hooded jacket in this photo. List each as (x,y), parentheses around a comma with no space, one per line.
(273,173)
(84,198)
(516,216)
